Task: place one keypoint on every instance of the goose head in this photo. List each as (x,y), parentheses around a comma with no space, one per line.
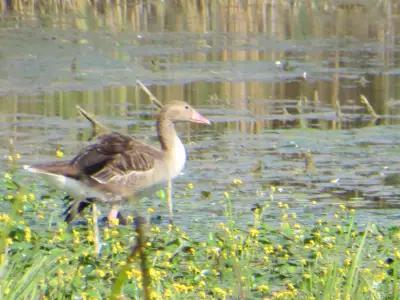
(176,111)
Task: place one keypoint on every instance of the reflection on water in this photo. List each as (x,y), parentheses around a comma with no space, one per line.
(252,66)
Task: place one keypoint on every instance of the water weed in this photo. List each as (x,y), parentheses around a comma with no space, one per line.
(327,258)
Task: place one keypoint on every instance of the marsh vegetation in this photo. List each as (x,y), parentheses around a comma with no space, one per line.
(292,193)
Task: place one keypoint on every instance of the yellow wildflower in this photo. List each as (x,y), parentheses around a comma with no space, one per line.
(5,218)
(220,293)
(27,233)
(100,273)
(75,236)
(59,153)
(253,232)
(155,229)
(263,288)
(182,288)
(116,247)
(237,181)
(347,262)
(397,253)
(379,277)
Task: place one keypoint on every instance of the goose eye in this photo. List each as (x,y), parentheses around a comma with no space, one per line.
(186,107)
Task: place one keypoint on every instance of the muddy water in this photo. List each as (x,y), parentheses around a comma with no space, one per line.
(282,84)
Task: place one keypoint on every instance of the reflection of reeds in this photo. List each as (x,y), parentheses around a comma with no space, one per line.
(300,20)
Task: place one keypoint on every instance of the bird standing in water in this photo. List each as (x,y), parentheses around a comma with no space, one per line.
(117,166)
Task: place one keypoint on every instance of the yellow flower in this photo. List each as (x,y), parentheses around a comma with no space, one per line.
(396,253)
(347,262)
(129,219)
(76,236)
(153,295)
(59,153)
(202,295)
(268,249)
(100,273)
(28,234)
(155,229)
(220,293)
(263,288)
(182,288)
(113,221)
(237,181)
(253,232)
(106,233)
(116,248)
(190,186)
(90,236)
(5,218)
(379,277)
(167,294)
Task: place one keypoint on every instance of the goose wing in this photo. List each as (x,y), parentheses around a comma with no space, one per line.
(115,157)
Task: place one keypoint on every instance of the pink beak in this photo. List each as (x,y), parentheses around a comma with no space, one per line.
(198,118)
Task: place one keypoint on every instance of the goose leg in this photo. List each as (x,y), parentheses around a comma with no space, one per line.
(96,234)
(113,215)
(169,202)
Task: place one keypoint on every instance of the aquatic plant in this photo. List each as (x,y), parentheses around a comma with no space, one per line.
(327,258)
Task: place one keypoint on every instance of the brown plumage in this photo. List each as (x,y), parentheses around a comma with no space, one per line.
(118,166)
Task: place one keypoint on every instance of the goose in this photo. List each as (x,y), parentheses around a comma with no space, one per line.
(117,167)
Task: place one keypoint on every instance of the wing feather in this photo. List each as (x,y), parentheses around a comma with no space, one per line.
(115,157)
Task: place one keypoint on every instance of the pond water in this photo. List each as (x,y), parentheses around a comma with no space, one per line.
(282,83)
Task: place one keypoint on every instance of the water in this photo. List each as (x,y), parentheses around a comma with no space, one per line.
(277,81)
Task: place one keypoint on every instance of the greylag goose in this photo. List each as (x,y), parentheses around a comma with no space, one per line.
(118,166)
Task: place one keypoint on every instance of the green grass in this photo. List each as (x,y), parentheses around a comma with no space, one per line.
(332,258)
